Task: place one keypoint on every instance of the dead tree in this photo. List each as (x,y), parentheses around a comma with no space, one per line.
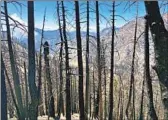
(61,106)
(132,79)
(33,108)
(94,95)
(3,92)
(112,66)
(26,87)
(51,108)
(87,65)
(11,91)
(39,61)
(160,39)
(68,93)
(15,74)
(141,116)
(152,111)
(99,95)
(80,62)
(105,79)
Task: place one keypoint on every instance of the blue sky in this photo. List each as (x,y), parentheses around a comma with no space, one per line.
(51,18)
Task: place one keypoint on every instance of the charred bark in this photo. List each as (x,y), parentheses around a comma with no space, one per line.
(160,39)
(80,62)
(51,108)
(87,65)
(61,106)
(152,111)
(112,66)
(68,92)
(3,92)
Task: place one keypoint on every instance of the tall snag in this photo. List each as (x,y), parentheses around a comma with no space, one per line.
(141,116)
(26,91)
(87,92)
(112,65)
(33,108)
(61,106)
(152,111)
(15,74)
(68,93)
(132,79)
(160,39)
(3,92)
(99,94)
(104,76)
(80,62)
(51,109)
(41,109)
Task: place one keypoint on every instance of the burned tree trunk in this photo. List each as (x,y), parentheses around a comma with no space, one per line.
(3,92)
(51,108)
(87,65)
(33,109)
(99,94)
(68,93)
(160,39)
(112,66)
(141,116)
(15,74)
(40,61)
(26,88)
(152,111)
(132,79)
(61,106)
(80,62)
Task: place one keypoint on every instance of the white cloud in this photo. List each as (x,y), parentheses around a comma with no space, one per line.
(48,26)
(17,32)
(17,18)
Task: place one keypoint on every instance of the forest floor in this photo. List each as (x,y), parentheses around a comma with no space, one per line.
(74,117)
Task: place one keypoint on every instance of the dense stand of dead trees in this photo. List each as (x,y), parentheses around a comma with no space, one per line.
(92,104)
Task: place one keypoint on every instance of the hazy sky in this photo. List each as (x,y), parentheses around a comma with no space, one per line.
(20,13)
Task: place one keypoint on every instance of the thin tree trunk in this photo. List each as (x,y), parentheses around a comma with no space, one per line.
(26,87)
(90,103)
(132,86)
(3,92)
(141,116)
(51,109)
(119,103)
(152,111)
(99,95)
(45,95)
(15,74)
(75,102)
(72,94)
(121,106)
(40,57)
(94,96)
(87,65)
(68,93)
(105,84)
(112,66)
(60,109)
(80,62)
(11,91)
(39,61)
